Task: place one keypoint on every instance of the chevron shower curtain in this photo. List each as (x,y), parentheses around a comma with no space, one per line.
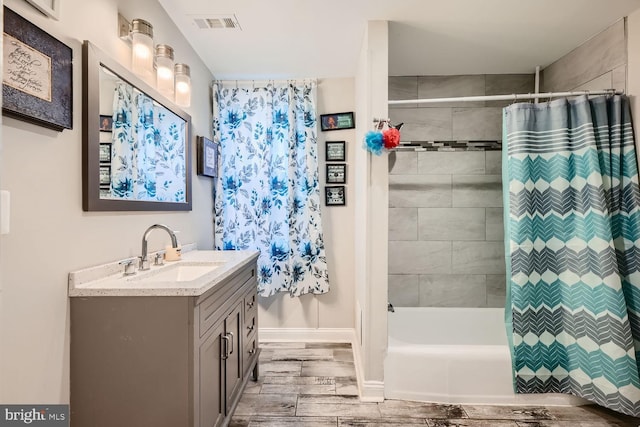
(573,249)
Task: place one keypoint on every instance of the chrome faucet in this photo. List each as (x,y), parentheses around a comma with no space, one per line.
(144,262)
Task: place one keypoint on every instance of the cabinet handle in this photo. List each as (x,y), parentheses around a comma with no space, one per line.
(231,336)
(250,328)
(250,304)
(253,350)
(225,354)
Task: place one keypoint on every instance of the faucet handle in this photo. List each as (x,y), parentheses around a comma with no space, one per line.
(144,264)
(159,258)
(129,266)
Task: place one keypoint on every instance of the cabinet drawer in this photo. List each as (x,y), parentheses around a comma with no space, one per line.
(250,301)
(207,308)
(250,348)
(250,325)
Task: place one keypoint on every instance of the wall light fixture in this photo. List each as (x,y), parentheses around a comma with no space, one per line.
(183,85)
(156,66)
(164,72)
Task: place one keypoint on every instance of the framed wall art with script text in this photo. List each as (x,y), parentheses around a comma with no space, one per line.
(37,84)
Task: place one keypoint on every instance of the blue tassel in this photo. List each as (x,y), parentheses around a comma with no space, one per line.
(374,142)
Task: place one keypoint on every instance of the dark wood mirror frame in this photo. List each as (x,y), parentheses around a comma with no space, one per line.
(92,59)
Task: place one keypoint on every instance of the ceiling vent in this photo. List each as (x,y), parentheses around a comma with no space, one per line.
(217,22)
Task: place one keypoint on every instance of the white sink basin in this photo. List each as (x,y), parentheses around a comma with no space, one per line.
(182,272)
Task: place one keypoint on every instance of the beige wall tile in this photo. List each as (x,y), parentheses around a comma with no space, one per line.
(420,191)
(403,223)
(451,224)
(453,290)
(451,162)
(602,53)
(478,258)
(403,163)
(483,124)
(451,86)
(477,191)
(419,257)
(423,124)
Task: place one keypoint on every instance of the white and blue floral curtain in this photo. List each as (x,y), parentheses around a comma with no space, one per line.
(148,149)
(267,196)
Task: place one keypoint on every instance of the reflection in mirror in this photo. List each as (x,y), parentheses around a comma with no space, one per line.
(136,142)
(148,144)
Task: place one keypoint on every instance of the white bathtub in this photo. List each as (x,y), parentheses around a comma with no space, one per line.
(454,355)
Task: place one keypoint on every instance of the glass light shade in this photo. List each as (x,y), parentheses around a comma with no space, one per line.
(142,49)
(164,71)
(183,85)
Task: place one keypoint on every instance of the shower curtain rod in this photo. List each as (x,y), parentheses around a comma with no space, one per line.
(514,97)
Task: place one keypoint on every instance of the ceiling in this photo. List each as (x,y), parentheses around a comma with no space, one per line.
(282,39)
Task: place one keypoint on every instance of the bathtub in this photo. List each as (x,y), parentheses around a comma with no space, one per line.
(454,355)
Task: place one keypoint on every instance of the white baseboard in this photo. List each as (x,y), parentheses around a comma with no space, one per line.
(306,335)
(370,391)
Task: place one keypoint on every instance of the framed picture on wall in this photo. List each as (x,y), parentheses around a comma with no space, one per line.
(105,175)
(336,173)
(336,151)
(106,123)
(335,195)
(105,152)
(207,157)
(337,121)
(37,84)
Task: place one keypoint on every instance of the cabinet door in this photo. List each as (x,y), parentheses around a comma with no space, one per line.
(211,396)
(233,367)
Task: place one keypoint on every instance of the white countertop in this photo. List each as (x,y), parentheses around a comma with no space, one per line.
(109,280)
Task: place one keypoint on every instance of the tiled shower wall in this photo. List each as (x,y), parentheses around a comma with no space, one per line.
(445,207)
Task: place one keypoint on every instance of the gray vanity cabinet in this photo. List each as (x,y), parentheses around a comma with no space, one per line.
(159,361)
(211,394)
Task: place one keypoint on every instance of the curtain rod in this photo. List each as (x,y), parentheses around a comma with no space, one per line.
(514,97)
(253,83)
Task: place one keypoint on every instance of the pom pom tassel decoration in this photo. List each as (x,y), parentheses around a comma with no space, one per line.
(391,138)
(375,141)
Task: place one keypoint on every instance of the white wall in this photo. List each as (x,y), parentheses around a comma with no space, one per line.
(335,308)
(371,221)
(50,234)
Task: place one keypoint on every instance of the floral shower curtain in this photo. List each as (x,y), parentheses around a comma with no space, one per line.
(572,241)
(267,195)
(148,149)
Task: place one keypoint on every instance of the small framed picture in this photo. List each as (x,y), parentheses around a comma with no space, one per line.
(207,157)
(105,152)
(337,121)
(106,123)
(337,174)
(105,192)
(336,151)
(105,175)
(335,195)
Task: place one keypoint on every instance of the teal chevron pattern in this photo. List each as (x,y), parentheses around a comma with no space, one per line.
(572,238)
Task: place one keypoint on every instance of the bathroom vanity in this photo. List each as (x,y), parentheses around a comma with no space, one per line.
(173,346)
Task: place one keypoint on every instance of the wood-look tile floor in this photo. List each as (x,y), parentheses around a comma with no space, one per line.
(314,385)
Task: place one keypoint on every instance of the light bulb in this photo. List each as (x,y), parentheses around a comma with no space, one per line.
(183,85)
(142,48)
(164,72)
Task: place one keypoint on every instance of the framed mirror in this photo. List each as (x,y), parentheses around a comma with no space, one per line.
(136,144)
